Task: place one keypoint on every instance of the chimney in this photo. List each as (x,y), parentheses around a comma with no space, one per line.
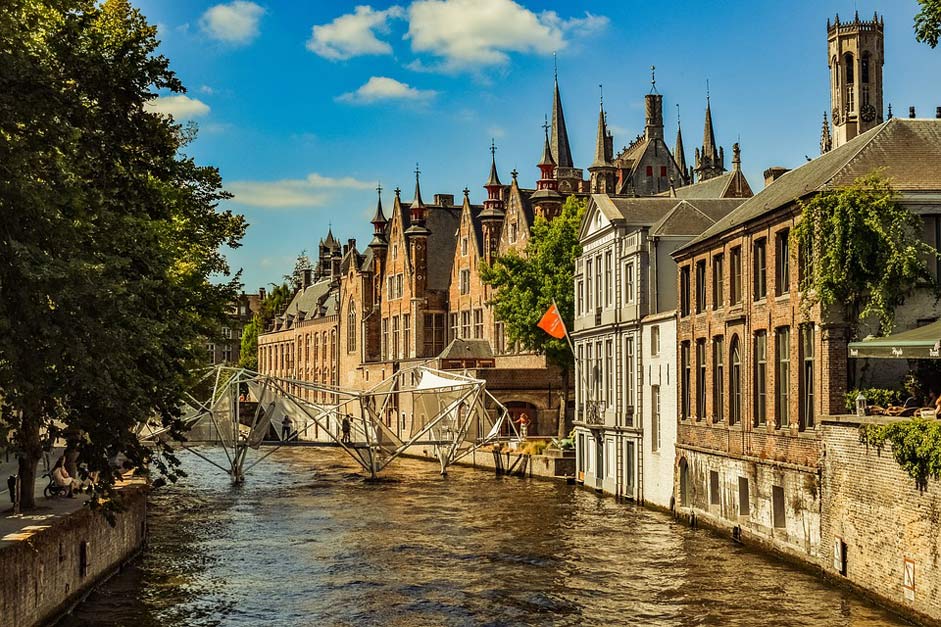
(444,200)
(911,112)
(346,249)
(261,293)
(351,243)
(306,282)
(774,173)
(653,125)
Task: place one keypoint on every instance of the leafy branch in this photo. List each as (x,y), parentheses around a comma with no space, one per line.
(916,446)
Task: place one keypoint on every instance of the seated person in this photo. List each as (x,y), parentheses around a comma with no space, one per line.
(62,478)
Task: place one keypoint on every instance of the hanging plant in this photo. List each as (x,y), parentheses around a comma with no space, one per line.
(916,446)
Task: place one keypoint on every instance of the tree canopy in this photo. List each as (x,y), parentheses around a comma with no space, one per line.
(526,285)
(866,254)
(272,304)
(110,247)
(928,22)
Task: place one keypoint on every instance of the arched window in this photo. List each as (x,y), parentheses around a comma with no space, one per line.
(850,70)
(735,381)
(351,328)
(864,68)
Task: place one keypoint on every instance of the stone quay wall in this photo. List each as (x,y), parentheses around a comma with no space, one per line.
(879,531)
(43,576)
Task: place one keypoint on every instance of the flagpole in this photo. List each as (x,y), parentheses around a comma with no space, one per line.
(565,328)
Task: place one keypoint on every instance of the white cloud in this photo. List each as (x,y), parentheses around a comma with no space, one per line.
(383,88)
(314,190)
(180,106)
(353,34)
(206,89)
(474,33)
(232,23)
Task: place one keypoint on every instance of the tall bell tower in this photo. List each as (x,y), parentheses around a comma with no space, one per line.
(855,54)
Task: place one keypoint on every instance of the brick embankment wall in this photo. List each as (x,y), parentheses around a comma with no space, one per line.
(873,507)
(43,576)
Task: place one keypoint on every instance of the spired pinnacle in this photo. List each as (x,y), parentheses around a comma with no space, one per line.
(493,179)
(417,202)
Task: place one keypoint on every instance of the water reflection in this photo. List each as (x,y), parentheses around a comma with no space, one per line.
(308,542)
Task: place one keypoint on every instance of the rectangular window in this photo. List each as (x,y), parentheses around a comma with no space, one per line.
(591,368)
(655,417)
(598,286)
(663,170)
(777,506)
(718,282)
(608,372)
(478,324)
(714,497)
(744,506)
(735,278)
(684,291)
(384,348)
(807,417)
(607,279)
(465,281)
(629,468)
(629,283)
(395,337)
(684,384)
(782,265)
(700,379)
(580,299)
(649,170)
(760,269)
(406,335)
(433,342)
(655,340)
(398,285)
(511,233)
(782,382)
(463,247)
(761,378)
(465,324)
(227,333)
(453,328)
(629,377)
(700,286)
(718,379)
(588,300)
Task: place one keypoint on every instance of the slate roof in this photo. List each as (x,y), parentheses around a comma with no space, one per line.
(664,215)
(711,188)
(907,150)
(317,301)
(443,222)
(467,349)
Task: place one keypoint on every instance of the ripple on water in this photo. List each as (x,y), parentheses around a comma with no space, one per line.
(309,541)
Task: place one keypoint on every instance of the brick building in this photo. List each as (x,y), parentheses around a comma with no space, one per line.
(756,371)
(227,347)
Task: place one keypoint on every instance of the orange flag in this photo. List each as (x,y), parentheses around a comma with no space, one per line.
(552,324)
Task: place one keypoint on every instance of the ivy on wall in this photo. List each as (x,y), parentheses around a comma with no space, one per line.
(916,446)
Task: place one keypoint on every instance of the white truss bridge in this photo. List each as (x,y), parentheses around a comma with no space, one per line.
(416,407)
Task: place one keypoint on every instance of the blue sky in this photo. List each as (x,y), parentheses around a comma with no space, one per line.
(304,106)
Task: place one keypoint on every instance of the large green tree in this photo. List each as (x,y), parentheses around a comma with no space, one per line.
(928,22)
(110,238)
(866,254)
(526,285)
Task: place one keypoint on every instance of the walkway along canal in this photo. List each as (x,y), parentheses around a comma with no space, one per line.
(306,541)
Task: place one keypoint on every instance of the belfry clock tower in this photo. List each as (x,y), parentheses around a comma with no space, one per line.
(855,54)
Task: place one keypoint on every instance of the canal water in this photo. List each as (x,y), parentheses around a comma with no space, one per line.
(307,541)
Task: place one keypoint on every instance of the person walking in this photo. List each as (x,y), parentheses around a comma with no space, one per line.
(287,427)
(345,427)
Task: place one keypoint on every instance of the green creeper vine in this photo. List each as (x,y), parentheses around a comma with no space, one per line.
(916,445)
(860,250)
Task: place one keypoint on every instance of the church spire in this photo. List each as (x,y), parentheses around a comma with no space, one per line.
(417,202)
(560,136)
(494,177)
(708,134)
(547,161)
(679,153)
(710,162)
(826,141)
(601,141)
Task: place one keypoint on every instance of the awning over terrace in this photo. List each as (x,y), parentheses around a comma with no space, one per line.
(921,343)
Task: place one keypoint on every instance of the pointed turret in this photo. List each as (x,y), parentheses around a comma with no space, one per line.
(602,170)
(379,223)
(493,206)
(826,141)
(546,200)
(679,153)
(560,136)
(417,210)
(710,160)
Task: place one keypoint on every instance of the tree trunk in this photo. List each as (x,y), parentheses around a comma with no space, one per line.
(30,451)
(563,405)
